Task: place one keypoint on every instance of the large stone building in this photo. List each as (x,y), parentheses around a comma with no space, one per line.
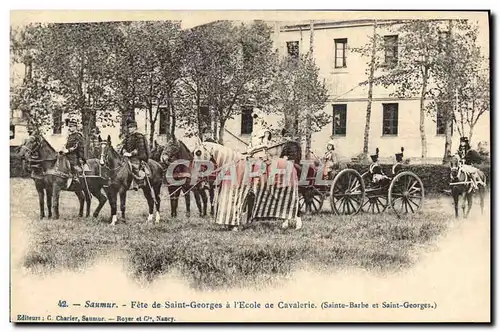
(394,122)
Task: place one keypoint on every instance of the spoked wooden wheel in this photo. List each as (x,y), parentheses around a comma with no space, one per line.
(347,192)
(311,200)
(375,198)
(406,193)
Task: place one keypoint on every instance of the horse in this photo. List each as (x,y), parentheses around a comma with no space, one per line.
(461,185)
(239,202)
(120,177)
(176,150)
(53,172)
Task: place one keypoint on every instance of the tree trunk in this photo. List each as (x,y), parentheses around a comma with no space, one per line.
(173,124)
(152,123)
(450,104)
(222,123)
(366,137)
(422,115)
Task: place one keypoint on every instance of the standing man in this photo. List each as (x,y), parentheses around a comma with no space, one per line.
(136,148)
(74,150)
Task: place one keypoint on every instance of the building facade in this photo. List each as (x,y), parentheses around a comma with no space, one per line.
(394,122)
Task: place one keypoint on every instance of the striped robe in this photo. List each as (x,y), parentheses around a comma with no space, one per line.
(274,197)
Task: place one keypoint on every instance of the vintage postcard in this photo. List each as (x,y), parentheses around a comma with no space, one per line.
(250,166)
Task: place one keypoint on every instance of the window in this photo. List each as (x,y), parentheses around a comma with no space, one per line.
(246,121)
(293,49)
(339,120)
(57,122)
(391,50)
(164,117)
(340,53)
(206,120)
(390,119)
(441,120)
(12,131)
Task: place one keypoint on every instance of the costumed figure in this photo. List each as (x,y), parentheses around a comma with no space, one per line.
(331,160)
(260,140)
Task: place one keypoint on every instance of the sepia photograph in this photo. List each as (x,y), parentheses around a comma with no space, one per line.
(250,166)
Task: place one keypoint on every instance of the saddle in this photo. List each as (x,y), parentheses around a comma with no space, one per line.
(141,170)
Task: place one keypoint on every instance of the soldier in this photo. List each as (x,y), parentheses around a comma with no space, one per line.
(376,170)
(136,148)
(74,150)
(260,140)
(468,157)
(94,149)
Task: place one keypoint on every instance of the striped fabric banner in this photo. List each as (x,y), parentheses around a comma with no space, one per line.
(274,197)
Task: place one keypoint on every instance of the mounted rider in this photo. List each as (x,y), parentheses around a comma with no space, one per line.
(75,151)
(467,158)
(135,147)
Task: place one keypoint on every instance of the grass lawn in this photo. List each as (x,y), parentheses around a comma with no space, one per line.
(211,258)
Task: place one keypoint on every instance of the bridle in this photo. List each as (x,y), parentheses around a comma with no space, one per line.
(103,160)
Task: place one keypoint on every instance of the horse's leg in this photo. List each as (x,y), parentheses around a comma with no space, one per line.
(204,199)
(211,192)
(187,198)
(147,193)
(81,200)
(41,198)
(172,191)
(197,198)
(56,191)
(464,200)
(48,190)
(88,201)
(123,202)
(102,200)
(456,197)
(157,190)
(112,195)
(469,203)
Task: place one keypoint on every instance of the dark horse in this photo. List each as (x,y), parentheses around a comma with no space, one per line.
(120,178)
(51,173)
(460,183)
(176,150)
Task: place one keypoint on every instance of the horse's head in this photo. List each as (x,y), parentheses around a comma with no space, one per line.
(108,154)
(203,151)
(170,152)
(30,146)
(454,167)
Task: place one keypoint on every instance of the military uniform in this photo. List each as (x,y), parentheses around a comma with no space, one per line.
(376,171)
(136,145)
(76,150)
(94,148)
